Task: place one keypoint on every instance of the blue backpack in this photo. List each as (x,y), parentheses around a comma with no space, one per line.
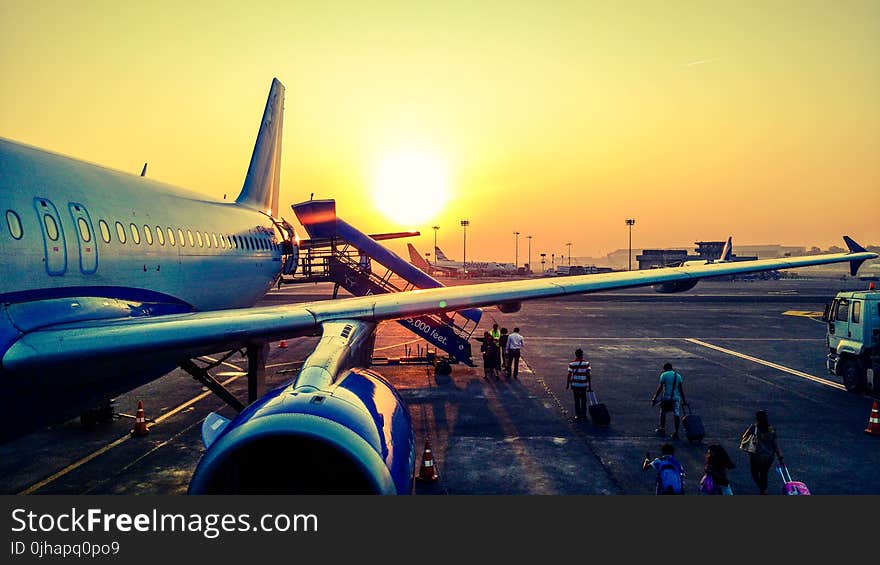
(669,476)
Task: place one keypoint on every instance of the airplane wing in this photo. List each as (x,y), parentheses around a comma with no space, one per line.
(182,336)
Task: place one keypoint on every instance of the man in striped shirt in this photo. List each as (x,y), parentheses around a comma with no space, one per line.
(579,382)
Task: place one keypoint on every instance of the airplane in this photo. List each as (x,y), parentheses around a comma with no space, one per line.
(111,280)
(447,266)
(681,286)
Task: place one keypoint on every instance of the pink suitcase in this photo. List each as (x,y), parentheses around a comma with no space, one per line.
(789,486)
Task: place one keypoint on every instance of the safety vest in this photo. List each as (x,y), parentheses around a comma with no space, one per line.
(580,373)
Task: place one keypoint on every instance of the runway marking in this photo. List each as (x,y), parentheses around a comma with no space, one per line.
(397,344)
(803,313)
(80,462)
(794,372)
(628,338)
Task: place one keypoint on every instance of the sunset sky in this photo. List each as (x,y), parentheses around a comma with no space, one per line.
(559,120)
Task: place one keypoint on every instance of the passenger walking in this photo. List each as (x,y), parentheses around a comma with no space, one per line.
(670,474)
(502,345)
(673,397)
(514,348)
(759,441)
(579,381)
(490,356)
(715,479)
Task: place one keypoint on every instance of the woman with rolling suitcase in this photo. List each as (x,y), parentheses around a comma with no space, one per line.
(759,441)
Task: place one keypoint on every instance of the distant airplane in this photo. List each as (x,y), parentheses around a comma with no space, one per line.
(110,280)
(445,265)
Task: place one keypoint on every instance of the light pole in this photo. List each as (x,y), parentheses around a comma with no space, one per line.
(436,228)
(516,250)
(630,222)
(553,261)
(530,253)
(543,260)
(464,225)
(569,253)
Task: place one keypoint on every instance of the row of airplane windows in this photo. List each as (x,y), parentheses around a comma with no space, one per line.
(197,238)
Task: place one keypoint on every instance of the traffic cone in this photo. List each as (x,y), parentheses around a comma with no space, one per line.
(140,422)
(873,421)
(282,344)
(428,472)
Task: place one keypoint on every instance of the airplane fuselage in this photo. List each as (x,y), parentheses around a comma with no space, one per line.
(80,242)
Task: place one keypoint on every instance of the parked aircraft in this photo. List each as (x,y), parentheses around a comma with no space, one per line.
(111,280)
(445,265)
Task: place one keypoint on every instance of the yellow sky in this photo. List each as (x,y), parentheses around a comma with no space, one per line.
(558,120)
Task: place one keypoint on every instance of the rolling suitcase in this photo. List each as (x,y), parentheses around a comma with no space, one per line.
(598,412)
(693,425)
(789,486)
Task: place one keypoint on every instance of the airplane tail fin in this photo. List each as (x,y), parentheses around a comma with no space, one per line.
(440,255)
(261,185)
(416,258)
(727,250)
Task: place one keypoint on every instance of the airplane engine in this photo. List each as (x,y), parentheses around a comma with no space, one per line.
(353,437)
(675,286)
(510,307)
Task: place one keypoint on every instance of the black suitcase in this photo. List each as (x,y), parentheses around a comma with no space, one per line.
(598,412)
(693,425)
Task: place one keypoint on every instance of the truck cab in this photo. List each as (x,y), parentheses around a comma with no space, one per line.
(853,339)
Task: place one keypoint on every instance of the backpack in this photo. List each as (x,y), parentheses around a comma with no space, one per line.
(669,477)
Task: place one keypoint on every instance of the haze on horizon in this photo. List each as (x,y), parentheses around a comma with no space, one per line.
(698,119)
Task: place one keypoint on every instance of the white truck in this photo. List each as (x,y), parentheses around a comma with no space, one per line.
(853,339)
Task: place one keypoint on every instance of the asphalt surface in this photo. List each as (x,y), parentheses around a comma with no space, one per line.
(517,436)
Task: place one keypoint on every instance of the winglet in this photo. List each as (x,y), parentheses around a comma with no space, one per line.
(854,248)
(727,250)
(261,185)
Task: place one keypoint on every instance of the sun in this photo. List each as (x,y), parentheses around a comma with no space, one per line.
(410,186)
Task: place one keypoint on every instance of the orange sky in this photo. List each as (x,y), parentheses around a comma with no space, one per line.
(558,120)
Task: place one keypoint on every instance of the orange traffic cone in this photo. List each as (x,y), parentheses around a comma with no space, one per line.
(873,421)
(282,344)
(140,422)
(428,472)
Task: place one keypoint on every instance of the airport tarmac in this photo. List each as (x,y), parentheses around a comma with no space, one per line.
(740,346)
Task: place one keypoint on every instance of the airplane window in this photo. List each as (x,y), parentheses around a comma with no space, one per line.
(222,241)
(105,231)
(84,232)
(120,232)
(148,234)
(214,238)
(14,224)
(235,241)
(135,234)
(207,240)
(199,234)
(189,236)
(180,237)
(171,237)
(51,227)
(160,236)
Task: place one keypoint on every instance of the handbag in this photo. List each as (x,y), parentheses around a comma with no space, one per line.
(749,441)
(707,484)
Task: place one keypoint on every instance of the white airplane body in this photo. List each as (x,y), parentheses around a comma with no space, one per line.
(93,306)
(448,266)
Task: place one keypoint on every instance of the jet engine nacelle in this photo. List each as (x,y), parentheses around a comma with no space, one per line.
(510,307)
(675,286)
(354,437)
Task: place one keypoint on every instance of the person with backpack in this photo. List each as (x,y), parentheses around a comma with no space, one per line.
(673,397)
(759,441)
(670,474)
